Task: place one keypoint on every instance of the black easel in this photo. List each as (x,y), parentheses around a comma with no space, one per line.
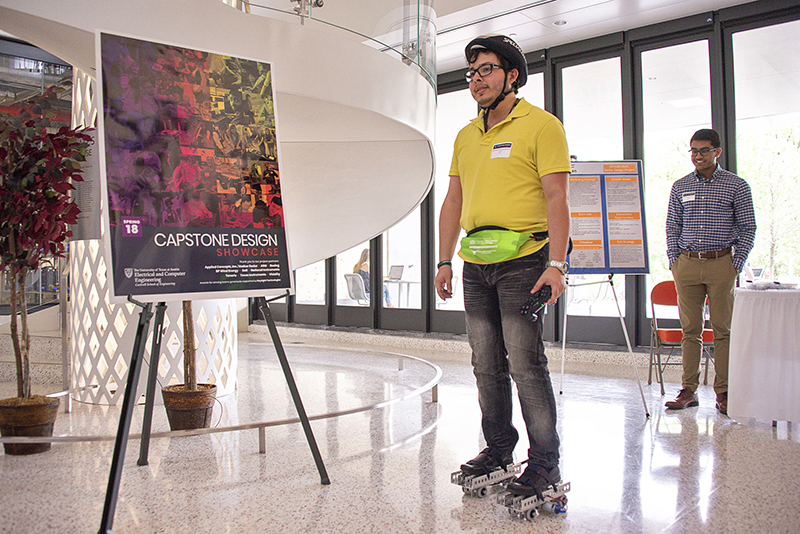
(155,353)
(298,403)
(152,378)
(128,402)
(610,282)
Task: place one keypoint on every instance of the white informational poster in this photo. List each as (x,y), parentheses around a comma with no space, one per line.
(607,215)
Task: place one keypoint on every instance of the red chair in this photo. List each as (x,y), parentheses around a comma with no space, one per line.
(664,294)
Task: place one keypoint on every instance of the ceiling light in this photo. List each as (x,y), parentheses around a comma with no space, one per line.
(559,22)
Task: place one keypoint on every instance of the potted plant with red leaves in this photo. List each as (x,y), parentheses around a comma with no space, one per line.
(38,162)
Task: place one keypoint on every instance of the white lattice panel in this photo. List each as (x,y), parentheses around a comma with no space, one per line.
(84,108)
(102,334)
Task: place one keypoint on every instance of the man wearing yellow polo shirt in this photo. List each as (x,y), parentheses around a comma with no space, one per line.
(510,170)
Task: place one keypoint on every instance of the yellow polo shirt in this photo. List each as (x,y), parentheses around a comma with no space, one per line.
(501,170)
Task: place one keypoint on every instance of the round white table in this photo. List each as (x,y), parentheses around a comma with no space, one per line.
(764,365)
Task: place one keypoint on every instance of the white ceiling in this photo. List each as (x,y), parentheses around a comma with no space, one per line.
(531,22)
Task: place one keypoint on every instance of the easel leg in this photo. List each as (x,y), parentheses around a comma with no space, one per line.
(298,403)
(152,378)
(609,281)
(628,341)
(128,402)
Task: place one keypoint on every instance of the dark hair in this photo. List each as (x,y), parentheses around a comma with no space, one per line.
(707,134)
(472,55)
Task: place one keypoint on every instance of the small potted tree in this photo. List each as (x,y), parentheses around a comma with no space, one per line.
(37,164)
(189,405)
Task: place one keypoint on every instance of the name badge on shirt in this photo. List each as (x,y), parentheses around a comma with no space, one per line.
(688,196)
(501,150)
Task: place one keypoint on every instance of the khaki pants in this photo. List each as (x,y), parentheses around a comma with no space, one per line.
(694,280)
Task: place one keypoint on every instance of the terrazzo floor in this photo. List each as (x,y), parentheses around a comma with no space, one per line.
(689,471)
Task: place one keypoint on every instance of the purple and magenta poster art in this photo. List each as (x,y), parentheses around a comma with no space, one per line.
(191,173)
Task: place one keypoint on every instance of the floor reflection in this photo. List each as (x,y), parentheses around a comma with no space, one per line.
(693,470)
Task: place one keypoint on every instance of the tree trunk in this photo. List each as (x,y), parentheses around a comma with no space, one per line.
(21,343)
(21,357)
(189,350)
(14,333)
(25,342)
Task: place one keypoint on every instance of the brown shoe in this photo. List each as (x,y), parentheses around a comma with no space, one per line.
(722,403)
(686,399)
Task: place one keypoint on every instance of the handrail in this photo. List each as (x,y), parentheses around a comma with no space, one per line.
(383,47)
(261,425)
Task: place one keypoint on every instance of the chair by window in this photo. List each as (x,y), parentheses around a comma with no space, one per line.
(662,295)
(356,289)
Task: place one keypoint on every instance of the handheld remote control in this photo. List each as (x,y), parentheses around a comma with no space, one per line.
(533,305)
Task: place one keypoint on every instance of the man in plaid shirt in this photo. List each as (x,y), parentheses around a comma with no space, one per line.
(711,227)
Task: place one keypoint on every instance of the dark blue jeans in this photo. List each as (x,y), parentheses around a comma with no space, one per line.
(506,345)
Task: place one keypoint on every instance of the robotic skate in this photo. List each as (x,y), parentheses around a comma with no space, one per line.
(478,485)
(552,500)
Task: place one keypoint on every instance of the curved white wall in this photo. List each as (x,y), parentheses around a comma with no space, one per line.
(354,134)
(354,125)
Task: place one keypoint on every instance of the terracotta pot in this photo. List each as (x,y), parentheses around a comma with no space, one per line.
(27,417)
(187,410)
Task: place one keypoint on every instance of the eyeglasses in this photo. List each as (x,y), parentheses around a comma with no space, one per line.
(484,70)
(702,151)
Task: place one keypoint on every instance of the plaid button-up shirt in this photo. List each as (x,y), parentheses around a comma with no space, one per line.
(708,215)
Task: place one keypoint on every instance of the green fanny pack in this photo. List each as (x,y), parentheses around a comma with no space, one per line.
(495,243)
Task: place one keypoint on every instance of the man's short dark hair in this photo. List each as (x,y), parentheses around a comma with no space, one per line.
(707,134)
(473,55)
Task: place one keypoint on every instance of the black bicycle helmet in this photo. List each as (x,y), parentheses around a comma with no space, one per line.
(506,48)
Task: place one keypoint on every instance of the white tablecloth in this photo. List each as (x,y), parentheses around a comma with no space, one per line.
(764,366)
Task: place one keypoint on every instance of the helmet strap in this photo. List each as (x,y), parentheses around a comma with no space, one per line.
(497,101)
(502,96)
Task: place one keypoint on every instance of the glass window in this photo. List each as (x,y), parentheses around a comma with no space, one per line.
(310,284)
(592,94)
(767,85)
(676,100)
(533,91)
(453,112)
(353,264)
(401,265)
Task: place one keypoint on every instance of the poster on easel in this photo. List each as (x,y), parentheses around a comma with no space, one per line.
(190,173)
(606,200)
